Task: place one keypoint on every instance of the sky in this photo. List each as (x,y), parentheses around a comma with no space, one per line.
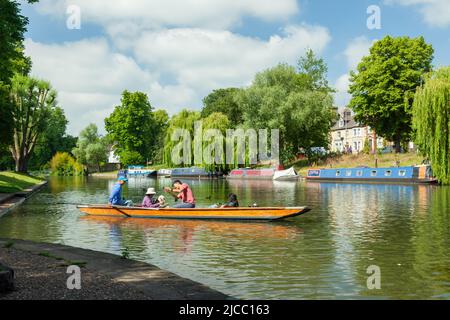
(178,51)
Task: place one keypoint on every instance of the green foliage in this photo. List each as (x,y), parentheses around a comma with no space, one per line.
(53,139)
(316,71)
(384,86)
(223,101)
(128,158)
(63,164)
(431,122)
(185,119)
(33,102)
(281,98)
(133,128)
(220,122)
(91,149)
(161,122)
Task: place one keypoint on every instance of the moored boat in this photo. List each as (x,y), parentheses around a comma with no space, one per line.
(138,171)
(240,213)
(247,173)
(411,174)
(193,172)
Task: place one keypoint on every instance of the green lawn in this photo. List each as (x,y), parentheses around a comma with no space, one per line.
(11,182)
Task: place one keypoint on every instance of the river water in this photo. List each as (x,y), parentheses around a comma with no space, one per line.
(404,230)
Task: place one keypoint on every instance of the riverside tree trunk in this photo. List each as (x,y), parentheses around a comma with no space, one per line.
(374,141)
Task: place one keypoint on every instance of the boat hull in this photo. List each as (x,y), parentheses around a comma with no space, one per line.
(266,213)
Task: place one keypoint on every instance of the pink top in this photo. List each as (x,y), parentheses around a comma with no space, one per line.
(186,194)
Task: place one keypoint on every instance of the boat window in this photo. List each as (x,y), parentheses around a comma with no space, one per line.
(388,173)
(338,173)
(373,173)
(402,173)
(348,173)
(359,173)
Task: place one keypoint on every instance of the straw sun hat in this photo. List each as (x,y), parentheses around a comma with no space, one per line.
(151,191)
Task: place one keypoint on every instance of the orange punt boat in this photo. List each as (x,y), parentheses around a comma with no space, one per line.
(263,213)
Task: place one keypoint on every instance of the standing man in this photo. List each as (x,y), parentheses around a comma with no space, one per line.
(183,192)
(115,199)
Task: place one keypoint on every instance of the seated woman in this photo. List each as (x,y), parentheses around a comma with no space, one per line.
(232,201)
(149,201)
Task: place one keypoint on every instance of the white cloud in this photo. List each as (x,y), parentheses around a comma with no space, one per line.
(356,50)
(436,13)
(90,76)
(173,13)
(206,59)
(342,97)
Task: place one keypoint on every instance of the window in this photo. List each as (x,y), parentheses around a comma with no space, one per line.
(402,173)
(348,173)
(338,173)
(359,173)
(373,173)
(388,173)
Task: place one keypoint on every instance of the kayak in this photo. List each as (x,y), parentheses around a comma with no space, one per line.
(243,213)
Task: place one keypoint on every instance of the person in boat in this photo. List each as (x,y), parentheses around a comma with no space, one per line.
(162,201)
(149,201)
(115,198)
(232,201)
(181,191)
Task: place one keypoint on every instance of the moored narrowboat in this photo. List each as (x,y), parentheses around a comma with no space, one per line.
(263,174)
(194,172)
(411,174)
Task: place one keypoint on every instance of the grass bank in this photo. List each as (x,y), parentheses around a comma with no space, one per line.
(11,182)
(356,160)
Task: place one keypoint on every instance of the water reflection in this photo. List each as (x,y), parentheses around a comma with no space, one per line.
(404,229)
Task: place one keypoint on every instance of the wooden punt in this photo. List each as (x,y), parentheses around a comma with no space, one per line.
(242,213)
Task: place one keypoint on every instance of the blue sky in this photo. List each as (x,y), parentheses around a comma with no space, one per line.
(177,51)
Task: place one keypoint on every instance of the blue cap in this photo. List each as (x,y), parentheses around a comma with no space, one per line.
(122,179)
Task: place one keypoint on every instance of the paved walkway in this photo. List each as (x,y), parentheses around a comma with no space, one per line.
(41,274)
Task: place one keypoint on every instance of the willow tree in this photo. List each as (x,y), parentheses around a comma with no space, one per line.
(32,102)
(431,122)
(180,128)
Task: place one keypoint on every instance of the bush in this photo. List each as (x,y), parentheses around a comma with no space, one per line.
(63,164)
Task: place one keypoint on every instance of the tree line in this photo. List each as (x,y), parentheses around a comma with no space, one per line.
(395,90)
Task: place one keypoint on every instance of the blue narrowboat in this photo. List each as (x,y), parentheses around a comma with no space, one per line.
(194,172)
(137,171)
(411,174)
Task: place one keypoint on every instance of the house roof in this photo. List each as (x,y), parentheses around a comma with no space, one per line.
(348,121)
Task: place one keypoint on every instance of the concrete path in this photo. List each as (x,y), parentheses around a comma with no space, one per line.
(151,281)
(9,201)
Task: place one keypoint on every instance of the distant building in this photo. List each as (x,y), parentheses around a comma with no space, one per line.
(349,136)
(113,158)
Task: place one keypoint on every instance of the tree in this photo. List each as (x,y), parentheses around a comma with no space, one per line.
(161,122)
(223,101)
(12,28)
(316,71)
(185,119)
(33,101)
(91,149)
(53,139)
(431,122)
(132,126)
(383,88)
(280,98)
(216,121)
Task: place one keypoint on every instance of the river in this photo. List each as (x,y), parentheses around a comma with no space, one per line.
(402,229)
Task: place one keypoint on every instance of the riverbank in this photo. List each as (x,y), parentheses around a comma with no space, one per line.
(11,182)
(20,186)
(357,160)
(41,273)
